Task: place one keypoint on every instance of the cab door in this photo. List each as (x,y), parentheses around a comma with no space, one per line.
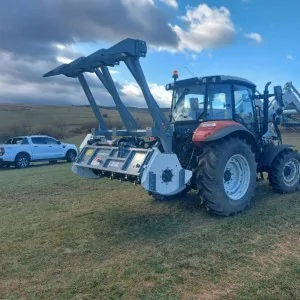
(244,108)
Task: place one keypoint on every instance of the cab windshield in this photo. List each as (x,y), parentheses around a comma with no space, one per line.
(188,103)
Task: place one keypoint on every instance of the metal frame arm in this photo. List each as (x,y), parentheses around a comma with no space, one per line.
(161,122)
(106,79)
(93,104)
(129,51)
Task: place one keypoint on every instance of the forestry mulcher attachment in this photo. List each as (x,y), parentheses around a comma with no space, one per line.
(220,136)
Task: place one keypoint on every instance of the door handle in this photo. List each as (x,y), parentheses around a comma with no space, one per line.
(49,146)
(35,146)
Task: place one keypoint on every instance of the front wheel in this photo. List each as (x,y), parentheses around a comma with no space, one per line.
(284,175)
(71,156)
(226,176)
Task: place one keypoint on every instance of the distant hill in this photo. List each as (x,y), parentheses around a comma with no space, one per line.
(61,121)
(130,108)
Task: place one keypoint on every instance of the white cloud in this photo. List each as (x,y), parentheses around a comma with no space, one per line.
(114,72)
(52,43)
(255,37)
(290,57)
(206,28)
(132,90)
(63,60)
(172,3)
(60,46)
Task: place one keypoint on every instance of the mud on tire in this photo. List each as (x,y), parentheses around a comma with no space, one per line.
(226,176)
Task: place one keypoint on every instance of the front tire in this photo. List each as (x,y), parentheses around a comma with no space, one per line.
(22,161)
(71,156)
(284,175)
(226,176)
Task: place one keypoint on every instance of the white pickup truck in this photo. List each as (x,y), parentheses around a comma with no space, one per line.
(20,151)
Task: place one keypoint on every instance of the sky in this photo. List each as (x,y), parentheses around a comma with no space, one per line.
(254,39)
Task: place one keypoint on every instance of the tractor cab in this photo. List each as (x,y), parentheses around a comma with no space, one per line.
(213,98)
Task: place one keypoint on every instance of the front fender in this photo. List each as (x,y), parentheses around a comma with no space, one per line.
(270,152)
(70,147)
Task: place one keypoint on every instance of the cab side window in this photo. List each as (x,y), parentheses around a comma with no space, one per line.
(219,102)
(39,141)
(243,105)
(51,141)
(25,141)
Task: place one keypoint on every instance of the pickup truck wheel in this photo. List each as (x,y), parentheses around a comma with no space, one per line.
(22,161)
(71,156)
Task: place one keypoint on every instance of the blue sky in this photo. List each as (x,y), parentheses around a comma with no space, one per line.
(276,59)
(254,39)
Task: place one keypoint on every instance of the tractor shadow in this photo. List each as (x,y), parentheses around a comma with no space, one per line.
(158,221)
(151,222)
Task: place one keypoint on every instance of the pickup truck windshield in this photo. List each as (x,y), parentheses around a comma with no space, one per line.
(189,103)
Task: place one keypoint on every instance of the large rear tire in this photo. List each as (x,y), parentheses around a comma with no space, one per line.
(284,175)
(226,176)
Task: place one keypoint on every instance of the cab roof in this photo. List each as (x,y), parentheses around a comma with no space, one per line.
(212,79)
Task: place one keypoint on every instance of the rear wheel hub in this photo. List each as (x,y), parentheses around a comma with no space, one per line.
(236,178)
(291,172)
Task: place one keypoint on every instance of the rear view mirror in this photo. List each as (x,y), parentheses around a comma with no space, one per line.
(278,95)
(58,142)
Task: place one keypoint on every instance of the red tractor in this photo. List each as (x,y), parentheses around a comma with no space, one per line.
(222,135)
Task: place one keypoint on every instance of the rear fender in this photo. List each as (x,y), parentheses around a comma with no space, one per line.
(216,130)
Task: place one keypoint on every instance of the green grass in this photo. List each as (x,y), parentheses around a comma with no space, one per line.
(63,237)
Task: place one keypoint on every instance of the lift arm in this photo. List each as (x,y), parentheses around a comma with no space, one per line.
(128,51)
(290,96)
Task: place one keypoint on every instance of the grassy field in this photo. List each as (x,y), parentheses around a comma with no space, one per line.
(62,120)
(63,237)
(71,116)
